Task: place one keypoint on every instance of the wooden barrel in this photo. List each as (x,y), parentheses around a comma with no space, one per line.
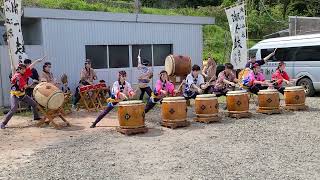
(294,96)
(206,105)
(174,109)
(269,99)
(238,102)
(178,65)
(48,96)
(131,114)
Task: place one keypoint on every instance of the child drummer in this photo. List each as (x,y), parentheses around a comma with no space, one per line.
(121,90)
(226,81)
(280,77)
(163,88)
(19,85)
(194,83)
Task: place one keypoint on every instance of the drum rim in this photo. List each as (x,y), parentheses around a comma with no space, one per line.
(293,88)
(57,92)
(268,91)
(206,96)
(132,102)
(171,58)
(240,92)
(172,98)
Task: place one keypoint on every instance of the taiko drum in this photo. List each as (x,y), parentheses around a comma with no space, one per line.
(238,102)
(206,105)
(174,109)
(177,65)
(294,96)
(48,96)
(131,114)
(269,99)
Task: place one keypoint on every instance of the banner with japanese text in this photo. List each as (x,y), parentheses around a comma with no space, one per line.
(237,23)
(13,13)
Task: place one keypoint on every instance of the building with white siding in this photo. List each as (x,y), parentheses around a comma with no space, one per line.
(110,40)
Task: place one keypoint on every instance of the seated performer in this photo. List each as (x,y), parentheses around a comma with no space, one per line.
(33,80)
(194,83)
(163,88)
(226,81)
(280,76)
(253,60)
(256,80)
(46,74)
(120,91)
(77,96)
(209,73)
(88,74)
(107,90)
(19,85)
(144,78)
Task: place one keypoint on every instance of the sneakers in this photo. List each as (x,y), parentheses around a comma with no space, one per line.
(93,126)
(2,126)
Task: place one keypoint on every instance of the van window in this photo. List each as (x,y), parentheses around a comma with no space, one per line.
(308,53)
(252,52)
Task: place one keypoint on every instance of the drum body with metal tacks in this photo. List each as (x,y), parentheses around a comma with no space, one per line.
(178,65)
(238,102)
(131,114)
(48,96)
(294,96)
(206,105)
(174,109)
(269,99)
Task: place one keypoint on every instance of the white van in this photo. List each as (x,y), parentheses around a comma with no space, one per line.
(301,55)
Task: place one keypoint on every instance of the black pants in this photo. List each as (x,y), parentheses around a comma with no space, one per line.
(281,90)
(209,90)
(256,88)
(145,90)
(104,112)
(29,92)
(77,96)
(151,104)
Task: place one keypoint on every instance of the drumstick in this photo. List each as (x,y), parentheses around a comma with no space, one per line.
(180,86)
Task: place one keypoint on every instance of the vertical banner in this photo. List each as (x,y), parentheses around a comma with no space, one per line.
(13,13)
(237,23)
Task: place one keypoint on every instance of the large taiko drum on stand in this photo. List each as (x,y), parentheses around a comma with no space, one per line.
(177,65)
(131,114)
(206,107)
(295,97)
(269,101)
(48,96)
(174,109)
(238,102)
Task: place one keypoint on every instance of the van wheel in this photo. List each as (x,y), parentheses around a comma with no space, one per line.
(308,86)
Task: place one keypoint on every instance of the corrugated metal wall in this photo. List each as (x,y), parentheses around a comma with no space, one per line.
(34,52)
(64,41)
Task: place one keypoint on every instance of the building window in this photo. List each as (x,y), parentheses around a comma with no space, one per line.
(160,52)
(119,56)
(146,54)
(98,55)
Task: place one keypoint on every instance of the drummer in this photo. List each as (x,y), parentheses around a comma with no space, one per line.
(226,81)
(88,74)
(34,78)
(256,80)
(253,60)
(163,88)
(280,76)
(121,90)
(19,85)
(209,73)
(47,75)
(144,78)
(194,83)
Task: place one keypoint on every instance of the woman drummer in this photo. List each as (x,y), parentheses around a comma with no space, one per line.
(209,73)
(120,91)
(280,76)
(163,88)
(47,75)
(256,80)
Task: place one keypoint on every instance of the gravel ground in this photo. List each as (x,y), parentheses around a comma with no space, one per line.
(282,146)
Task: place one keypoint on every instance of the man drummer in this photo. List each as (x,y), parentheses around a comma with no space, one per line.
(163,88)
(121,90)
(253,60)
(145,75)
(34,78)
(19,85)
(194,83)
(226,81)
(209,72)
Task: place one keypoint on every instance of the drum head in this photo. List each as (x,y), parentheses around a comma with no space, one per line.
(268,91)
(173,99)
(130,102)
(55,101)
(294,88)
(232,93)
(202,96)
(169,65)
